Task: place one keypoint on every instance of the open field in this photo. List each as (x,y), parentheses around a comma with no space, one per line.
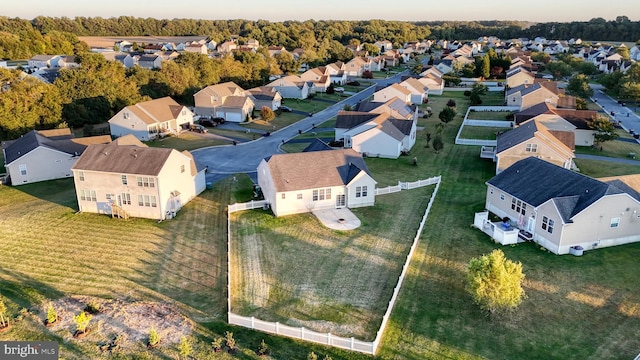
(296,271)
(577,307)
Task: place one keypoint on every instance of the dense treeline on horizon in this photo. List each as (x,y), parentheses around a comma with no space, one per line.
(292,34)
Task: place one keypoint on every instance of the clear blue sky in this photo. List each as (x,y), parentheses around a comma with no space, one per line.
(278,10)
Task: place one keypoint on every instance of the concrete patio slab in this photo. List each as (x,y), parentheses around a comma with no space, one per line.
(338,219)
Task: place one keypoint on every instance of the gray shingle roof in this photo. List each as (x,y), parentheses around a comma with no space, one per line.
(351,119)
(536,181)
(317,145)
(516,136)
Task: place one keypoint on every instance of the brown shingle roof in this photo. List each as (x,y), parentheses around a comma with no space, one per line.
(156,111)
(123,159)
(309,170)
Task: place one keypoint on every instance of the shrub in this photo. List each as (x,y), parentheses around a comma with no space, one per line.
(93,307)
(82,321)
(263,349)
(154,338)
(52,316)
(475,99)
(185,347)
(229,340)
(451,103)
(467,93)
(367,74)
(217,344)
(331,89)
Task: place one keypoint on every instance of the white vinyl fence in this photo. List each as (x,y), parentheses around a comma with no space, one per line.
(406,186)
(327,338)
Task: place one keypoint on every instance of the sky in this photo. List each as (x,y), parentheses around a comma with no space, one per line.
(280,10)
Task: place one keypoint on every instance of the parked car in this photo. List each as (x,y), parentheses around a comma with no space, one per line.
(339,89)
(285,109)
(208,122)
(621,102)
(218,120)
(353,83)
(198,128)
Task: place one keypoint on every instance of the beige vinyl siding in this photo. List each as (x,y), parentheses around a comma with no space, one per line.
(41,164)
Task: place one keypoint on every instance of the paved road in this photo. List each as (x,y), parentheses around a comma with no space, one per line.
(224,160)
(625,116)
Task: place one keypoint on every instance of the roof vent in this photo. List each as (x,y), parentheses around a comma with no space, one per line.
(586,191)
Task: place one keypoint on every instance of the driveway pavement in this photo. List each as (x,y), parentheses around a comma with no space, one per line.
(224,160)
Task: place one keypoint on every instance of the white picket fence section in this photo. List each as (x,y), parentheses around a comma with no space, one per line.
(327,338)
(247,206)
(407,185)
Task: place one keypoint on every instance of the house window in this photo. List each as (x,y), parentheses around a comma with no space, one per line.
(147,200)
(23,169)
(184,112)
(140,200)
(502,197)
(125,115)
(547,224)
(319,194)
(144,181)
(81,175)
(358,191)
(364,191)
(491,191)
(315,195)
(299,196)
(88,195)
(153,201)
(181,168)
(126,199)
(124,179)
(615,222)
(283,195)
(518,206)
(531,148)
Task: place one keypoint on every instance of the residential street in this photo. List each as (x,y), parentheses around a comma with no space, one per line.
(624,115)
(245,157)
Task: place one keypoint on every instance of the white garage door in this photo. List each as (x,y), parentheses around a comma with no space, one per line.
(233,116)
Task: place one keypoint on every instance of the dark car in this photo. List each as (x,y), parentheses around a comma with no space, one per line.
(208,122)
(285,109)
(621,102)
(218,120)
(198,128)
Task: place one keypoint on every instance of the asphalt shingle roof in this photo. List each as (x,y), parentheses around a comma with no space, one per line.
(536,181)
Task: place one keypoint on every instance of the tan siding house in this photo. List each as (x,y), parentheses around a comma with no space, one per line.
(226,100)
(394,90)
(45,155)
(152,119)
(565,211)
(128,178)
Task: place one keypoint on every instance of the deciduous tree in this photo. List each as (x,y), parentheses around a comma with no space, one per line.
(495,282)
(267,114)
(604,130)
(579,86)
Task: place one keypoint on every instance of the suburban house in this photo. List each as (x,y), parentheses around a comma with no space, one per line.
(525,96)
(337,73)
(395,107)
(433,83)
(319,78)
(227,47)
(383,45)
(562,210)
(419,91)
(265,96)
(291,87)
(519,76)
(430,70)
(394,90)
(127,178)
(375,135)
(226,100)
(43,61)
(41,155)
(444,66)
(149,61)
(123,58)
(576,121)
(355,66)
(532,138)
(196,48)
(151,119)
(302,182)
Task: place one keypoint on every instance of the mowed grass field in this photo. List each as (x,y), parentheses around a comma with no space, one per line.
(576,307)
(296,271)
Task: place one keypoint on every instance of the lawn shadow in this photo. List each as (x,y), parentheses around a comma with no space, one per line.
(58,191)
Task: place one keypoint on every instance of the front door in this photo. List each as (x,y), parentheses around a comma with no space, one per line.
(340,201)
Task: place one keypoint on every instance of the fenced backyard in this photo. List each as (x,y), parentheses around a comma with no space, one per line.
(258,284)
(491,118)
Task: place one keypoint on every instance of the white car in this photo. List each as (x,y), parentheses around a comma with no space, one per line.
(339,89)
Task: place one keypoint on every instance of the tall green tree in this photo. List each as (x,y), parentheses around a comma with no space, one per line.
(447,114)
(485,70)
(579,86)
(495,282)
(604,129)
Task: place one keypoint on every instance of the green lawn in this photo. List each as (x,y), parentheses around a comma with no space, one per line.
(489,115)
(613,148)
(576,308)
(480,132)
(344,287)
(186,141)
(596,168)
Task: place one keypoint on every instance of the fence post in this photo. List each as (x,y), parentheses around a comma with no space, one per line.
(352,341)
(277,328)
(328,338)
(253,326)
(302,333)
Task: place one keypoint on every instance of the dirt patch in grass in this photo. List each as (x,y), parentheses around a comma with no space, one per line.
(131,320)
